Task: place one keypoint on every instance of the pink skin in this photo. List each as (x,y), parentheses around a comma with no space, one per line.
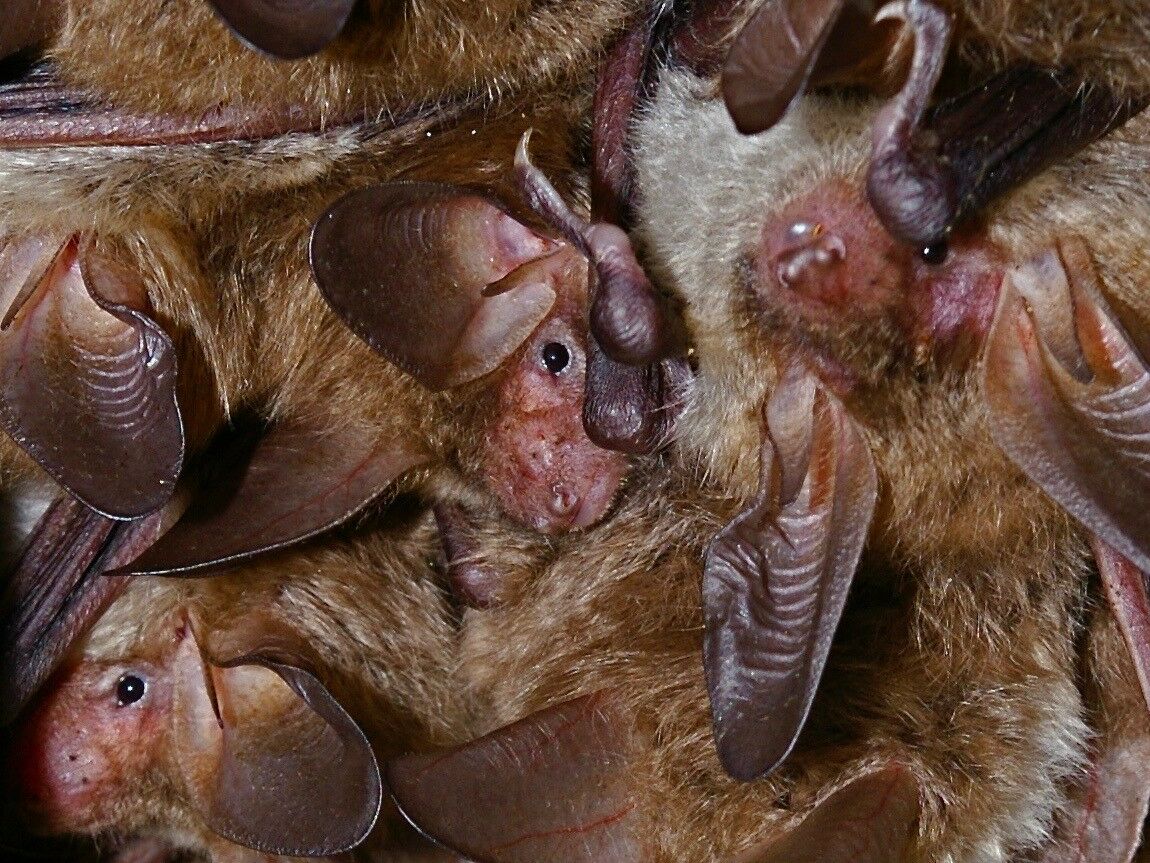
(826,254)
(80,745)
(537,458)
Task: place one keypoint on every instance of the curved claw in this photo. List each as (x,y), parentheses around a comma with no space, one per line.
(776,578)
(288,29)
(1069,397)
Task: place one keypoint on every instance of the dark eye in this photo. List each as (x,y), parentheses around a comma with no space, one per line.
(936,253)
(555,357)
(129,689)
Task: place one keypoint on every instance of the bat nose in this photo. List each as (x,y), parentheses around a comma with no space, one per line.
(563,502)
(812,254)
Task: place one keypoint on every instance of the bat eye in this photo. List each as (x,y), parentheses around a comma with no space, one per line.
(129,689)
(936,253)
(556,357)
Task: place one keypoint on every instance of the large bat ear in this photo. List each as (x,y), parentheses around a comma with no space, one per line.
(1069,397)
(554,786)
(871,820)
(271,759)
(790,45)
(87,378)
(288,29)
(441,280)
(776,578)
(298,481)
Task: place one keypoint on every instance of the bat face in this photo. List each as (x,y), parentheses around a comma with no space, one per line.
(186,692)
(795,280)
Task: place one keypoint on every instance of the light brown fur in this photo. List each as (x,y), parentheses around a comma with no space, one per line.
(373,610)
(972,578)
(396,57)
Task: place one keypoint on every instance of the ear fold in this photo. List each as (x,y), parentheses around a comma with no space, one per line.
(792,44)
(434,277)
(289,29)
(271,759)
(298,481)
(1069,397)
(87,378)
(554,786)
(776,578)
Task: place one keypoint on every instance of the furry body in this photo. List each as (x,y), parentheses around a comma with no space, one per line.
(373,611)
(957,526)
(393,57)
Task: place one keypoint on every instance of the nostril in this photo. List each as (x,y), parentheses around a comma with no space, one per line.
(564,501)
(816,250)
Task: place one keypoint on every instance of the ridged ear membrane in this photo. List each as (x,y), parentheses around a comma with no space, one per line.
(871,820)
(271,759)
(1126,591)
(776,578)
(1069,397)
(87,378)
(289,29)
(299,480)
(436,278)
(554,786)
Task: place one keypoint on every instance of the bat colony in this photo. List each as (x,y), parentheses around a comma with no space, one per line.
(514,431)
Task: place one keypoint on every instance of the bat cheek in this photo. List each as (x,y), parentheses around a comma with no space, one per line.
(549,475)
(79,751)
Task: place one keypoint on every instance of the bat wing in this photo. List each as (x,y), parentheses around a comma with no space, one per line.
(1069,397)
(87,378)
(553,786)
(870,820)
(438,279)
(298,481)
(271,758)
(1103,820)
(776,578)
(58,590)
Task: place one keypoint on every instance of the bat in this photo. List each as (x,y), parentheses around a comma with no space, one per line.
(241,716)
(931,169)
(802,392)
(324,407)
(790,298)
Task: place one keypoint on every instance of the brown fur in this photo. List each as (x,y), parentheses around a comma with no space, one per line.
(963,674)
(972,578)
(179,57)
(372,609)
